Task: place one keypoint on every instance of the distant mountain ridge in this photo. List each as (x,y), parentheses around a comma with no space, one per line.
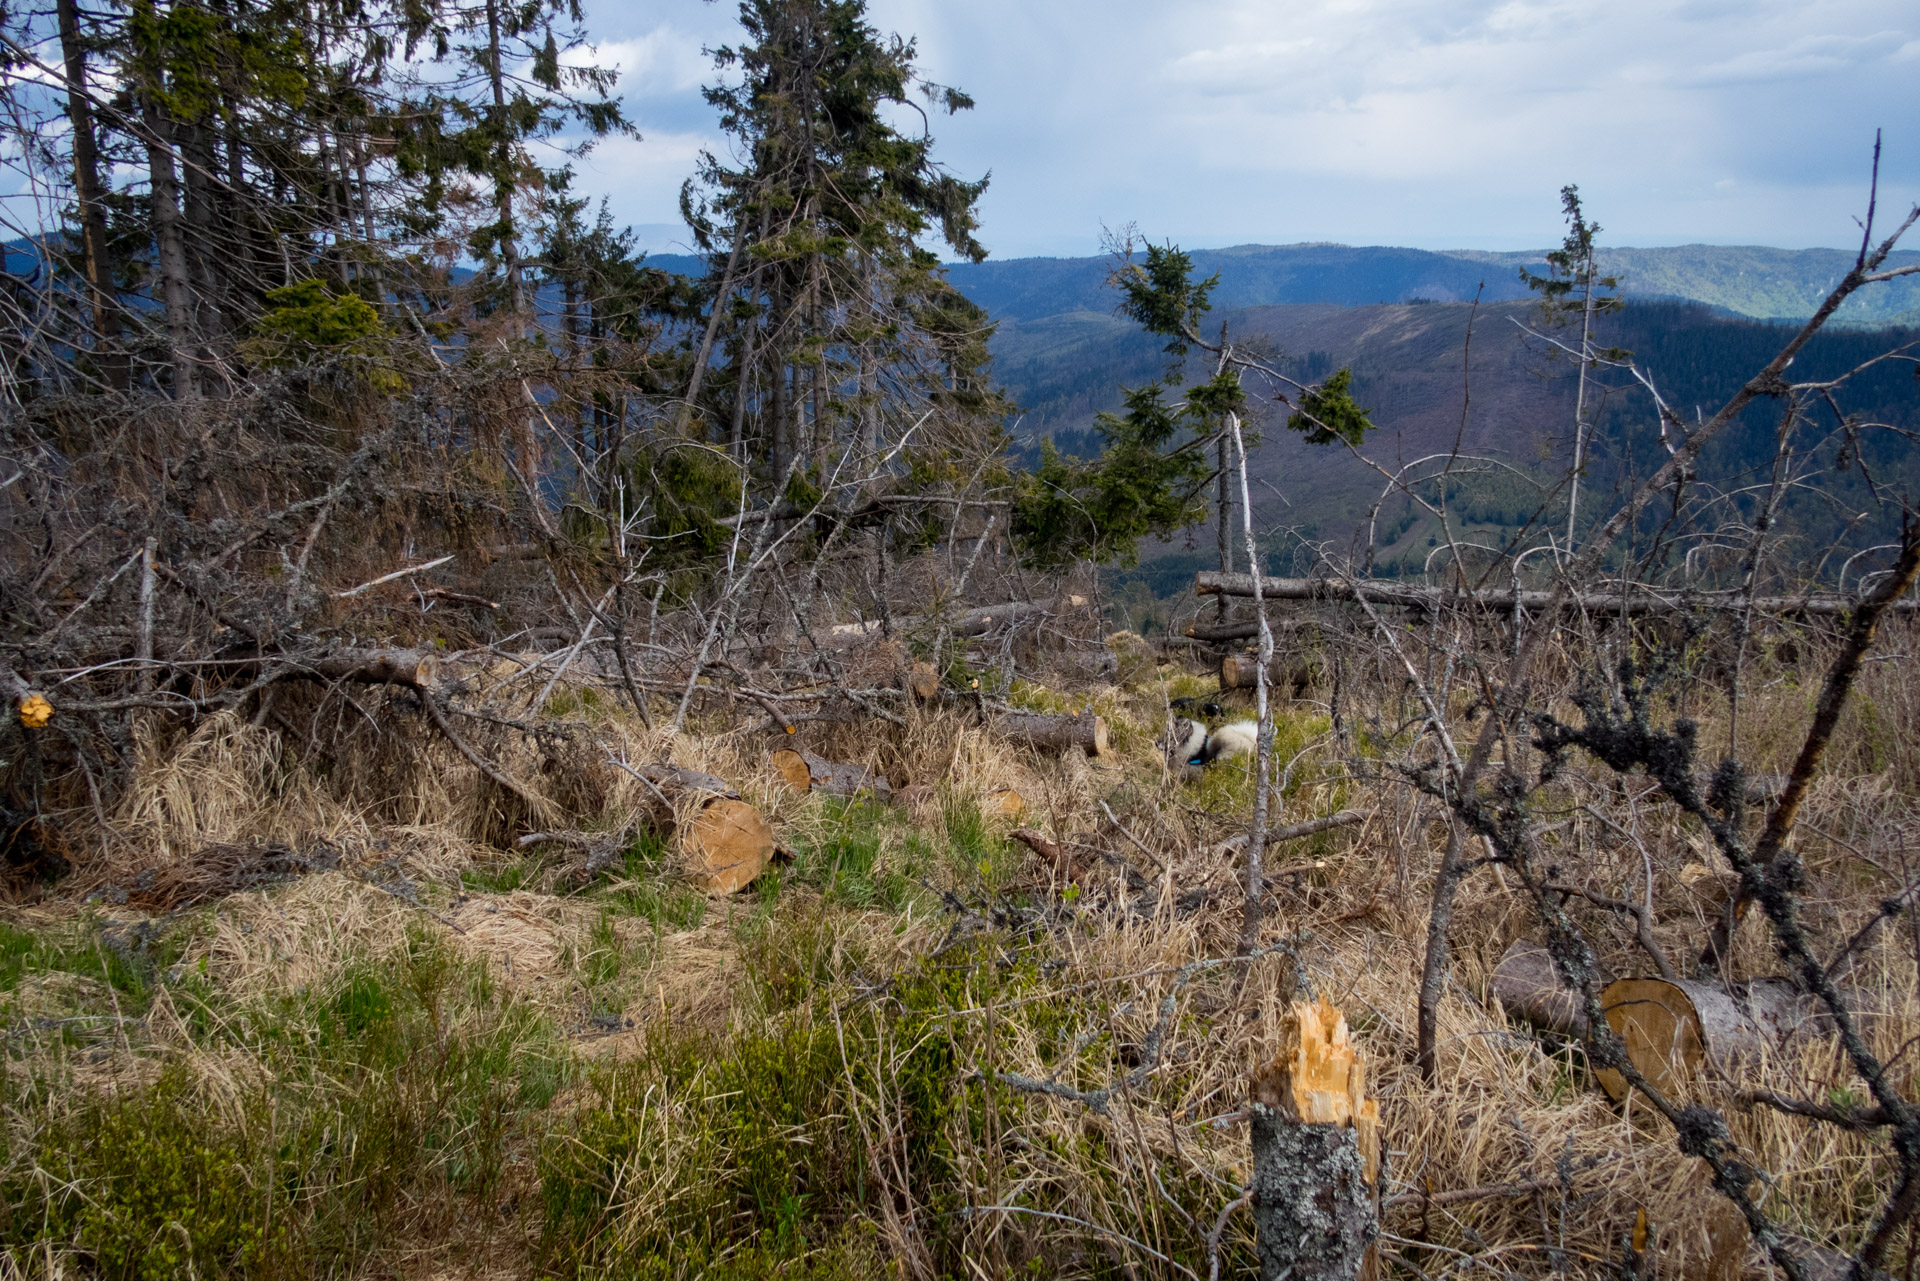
(1755,282)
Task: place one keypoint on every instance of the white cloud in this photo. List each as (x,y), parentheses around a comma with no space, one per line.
(660,63)
(1807,56)
(1433,122)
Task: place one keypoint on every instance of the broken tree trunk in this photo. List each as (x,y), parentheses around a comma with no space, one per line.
(1640,602)
(724,841)
(1316,1153)
(1052,733)
(804,772)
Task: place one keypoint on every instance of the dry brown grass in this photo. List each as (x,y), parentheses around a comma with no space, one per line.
(1506,1108)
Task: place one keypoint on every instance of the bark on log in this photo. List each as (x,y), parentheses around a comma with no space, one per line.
(1670,1028)
(1646,601)
(1242,628)
(1527,984)
(1316,1153)
(1242,671)
(1052,733)
(804,772)
(724,842)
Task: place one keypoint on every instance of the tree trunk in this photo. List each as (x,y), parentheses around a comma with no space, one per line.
(1669,1028)
(1316,1154)
(1430,599)
(720,298)
(1526,983)
(1433,971)
(503,183)
(413,668)
(1224,503)
(170,252)
(101,298)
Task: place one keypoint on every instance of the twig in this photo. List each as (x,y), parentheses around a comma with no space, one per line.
(1162,867)
(1872,1118)
(398,573)
(1219,1230)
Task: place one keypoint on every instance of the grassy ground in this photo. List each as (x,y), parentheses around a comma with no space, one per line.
(408,1053)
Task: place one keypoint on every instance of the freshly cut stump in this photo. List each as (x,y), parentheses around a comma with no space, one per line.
(804,772)
(1316,1153)
(726,846)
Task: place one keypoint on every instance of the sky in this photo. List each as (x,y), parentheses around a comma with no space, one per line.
(1436,124)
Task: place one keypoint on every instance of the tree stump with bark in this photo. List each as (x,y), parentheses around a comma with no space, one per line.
(1053,733)
(803,772)
(1316,1153)
(724,842)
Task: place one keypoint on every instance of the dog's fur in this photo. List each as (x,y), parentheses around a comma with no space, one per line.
(1192,747)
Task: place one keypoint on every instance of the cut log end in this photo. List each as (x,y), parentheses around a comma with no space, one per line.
(922,681)
(791,766)
(726,846)
(1004,802)
(1661,1028)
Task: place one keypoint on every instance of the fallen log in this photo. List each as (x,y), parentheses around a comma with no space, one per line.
(1241,628)
(1052,733)
(1316,1153)
(724,842)
(968,623)
(1669,1028)
(1639,602)
(803,772)
(1672,1028)
(413,668)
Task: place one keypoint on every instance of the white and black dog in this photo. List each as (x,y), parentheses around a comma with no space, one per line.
(1191,746)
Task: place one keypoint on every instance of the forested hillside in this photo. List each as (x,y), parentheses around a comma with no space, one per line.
(1409,372)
